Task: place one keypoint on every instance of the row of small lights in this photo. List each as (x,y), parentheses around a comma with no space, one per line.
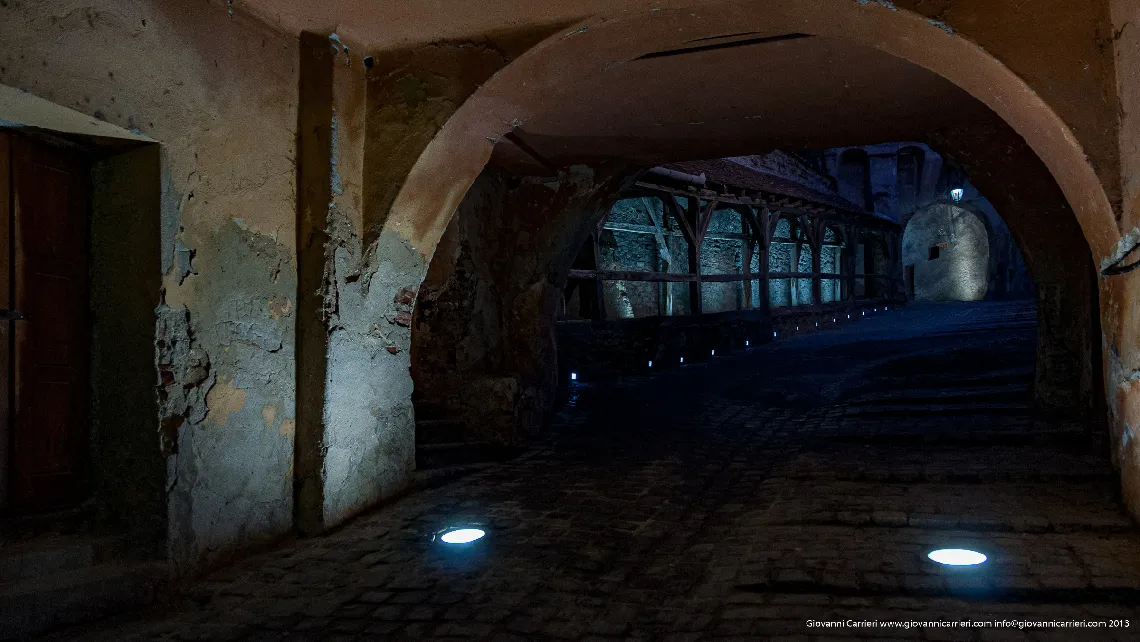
(454,536)
(747,343)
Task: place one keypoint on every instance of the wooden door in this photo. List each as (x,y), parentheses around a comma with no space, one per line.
(46,315)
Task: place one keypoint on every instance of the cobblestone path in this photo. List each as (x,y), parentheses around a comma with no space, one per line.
(738,498)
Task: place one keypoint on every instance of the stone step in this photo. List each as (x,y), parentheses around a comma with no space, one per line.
(35,605)
(460,453)
(54,554)
(439,431)
(951,397)
(911,410)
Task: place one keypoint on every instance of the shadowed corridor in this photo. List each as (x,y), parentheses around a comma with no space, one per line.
(740,497)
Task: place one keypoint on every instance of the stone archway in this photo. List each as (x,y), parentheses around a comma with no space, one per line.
(947,247)
(448,165)
(453,159)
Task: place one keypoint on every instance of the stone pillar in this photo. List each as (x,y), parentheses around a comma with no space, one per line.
(354,439)
(365,121)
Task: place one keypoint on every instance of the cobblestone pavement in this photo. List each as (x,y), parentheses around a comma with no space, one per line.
(738,498)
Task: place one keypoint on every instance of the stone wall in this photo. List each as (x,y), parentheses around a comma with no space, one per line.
(483,341)
(217,91)
(1003,167)
(905,177)
(948,247)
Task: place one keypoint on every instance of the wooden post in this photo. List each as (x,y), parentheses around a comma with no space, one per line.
(693,216)
(896,266)
(664,291)
(794,290)
(766,220)
(746,262)
(817,264)
(599,291)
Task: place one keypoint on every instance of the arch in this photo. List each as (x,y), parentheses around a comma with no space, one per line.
(946,250)
(527,88)
(454,157)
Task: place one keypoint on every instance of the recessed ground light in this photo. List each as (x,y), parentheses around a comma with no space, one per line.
(462,535)
(848,316)
(876,309)
(573,376)
(651,363)
(682,359)
(957,557)
(833,320)
(817,324)
(712,353)
(885,308)
(745,344)
(956,194)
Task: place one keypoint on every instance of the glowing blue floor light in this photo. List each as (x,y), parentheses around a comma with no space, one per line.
(650,363)
(682,359)
(712,353)
(957,557)
(573,376)
(773,335)
(462,535)
(745,344)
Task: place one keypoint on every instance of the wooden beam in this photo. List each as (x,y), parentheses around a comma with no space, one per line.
(674,210)
(598,289)
(693,219)
(762,220)
(629,275)
(657,230)
(634,228)
(704,217)
(622,275)
(746,261)
(774,202)
(751,222)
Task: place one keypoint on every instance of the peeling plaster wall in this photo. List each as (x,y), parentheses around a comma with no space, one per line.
(357,440)
(369,424)
(1121,339)
(218,91)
